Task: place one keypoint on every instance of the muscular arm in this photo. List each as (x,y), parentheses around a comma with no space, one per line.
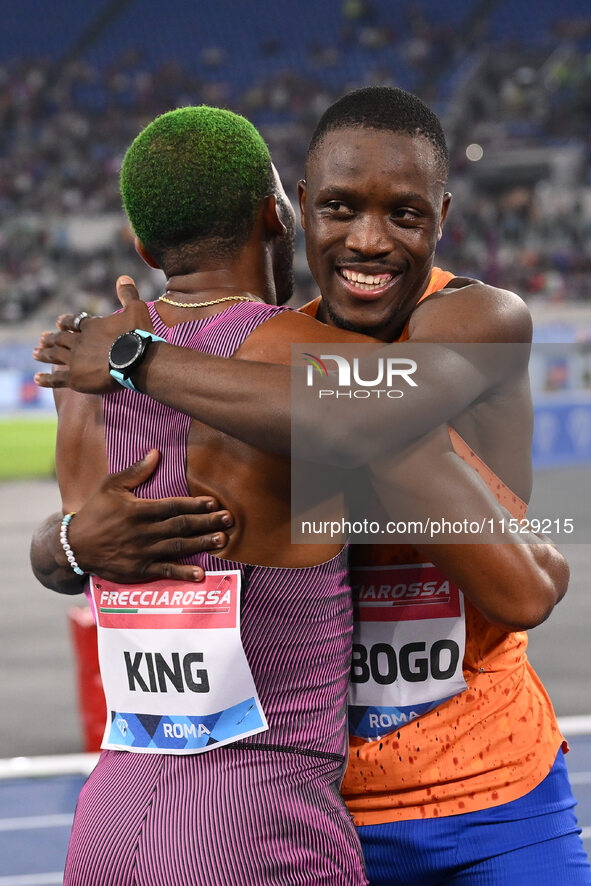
(251,400)
(514,579)
(515,584)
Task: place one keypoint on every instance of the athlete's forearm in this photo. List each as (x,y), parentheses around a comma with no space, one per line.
(513,578)
(253,401)
(373,405)
(514,585)
(49,562)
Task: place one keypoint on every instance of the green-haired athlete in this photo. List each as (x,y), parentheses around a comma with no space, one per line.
(225,740)
(194,175)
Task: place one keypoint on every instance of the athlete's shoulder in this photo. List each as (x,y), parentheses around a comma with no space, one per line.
(271,342)
(471,311)
(312,307)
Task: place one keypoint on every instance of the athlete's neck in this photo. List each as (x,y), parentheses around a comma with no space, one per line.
(207,285)
(248,272)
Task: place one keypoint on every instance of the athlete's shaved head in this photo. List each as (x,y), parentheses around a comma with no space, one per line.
(384,108)
(193,176)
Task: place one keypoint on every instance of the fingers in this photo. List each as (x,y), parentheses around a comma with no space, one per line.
(202,513)
(153,572)
(68,322)
(54,354)
(73,322)
(196,525)
(175,516)
(61,339)
(65,322)
(132,476)
(161,560)
(53,347)
(204,524)
(171,519)
(127,291)
(174,571)
(175,549)
(57,379)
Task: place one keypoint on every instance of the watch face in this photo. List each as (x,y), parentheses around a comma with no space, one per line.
(125,350)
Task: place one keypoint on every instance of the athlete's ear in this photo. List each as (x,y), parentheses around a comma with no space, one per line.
(444,208)
(143,253)
(271,217)
(302,201)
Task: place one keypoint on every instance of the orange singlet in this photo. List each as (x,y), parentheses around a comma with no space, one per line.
(487,745)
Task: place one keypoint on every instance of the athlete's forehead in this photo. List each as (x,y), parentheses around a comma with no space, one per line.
(352,157)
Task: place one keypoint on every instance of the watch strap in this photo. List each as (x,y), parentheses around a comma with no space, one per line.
(125,382)
(150,335)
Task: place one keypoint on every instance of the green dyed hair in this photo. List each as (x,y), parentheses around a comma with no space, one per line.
(195,175)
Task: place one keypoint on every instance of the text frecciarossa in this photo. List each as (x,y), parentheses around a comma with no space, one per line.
(403,590)
(144,597)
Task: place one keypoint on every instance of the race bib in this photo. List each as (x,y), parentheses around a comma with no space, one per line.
(408,646)
(175,674)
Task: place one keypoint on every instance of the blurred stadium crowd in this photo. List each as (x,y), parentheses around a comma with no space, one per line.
(78,82)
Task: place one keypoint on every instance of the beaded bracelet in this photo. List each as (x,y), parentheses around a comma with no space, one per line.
(66,545)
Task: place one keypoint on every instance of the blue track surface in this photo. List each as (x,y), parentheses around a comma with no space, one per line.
(36,815)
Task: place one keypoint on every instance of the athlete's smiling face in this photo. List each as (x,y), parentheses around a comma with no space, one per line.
(372,209)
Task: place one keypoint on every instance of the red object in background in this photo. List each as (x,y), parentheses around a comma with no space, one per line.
(29,392)
(92,707)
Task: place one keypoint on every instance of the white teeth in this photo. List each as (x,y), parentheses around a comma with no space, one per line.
(365,281)
(366,286)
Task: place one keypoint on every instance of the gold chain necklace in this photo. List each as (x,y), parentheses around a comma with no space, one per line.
(204,304)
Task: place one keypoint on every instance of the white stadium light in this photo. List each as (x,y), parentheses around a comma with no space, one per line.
(474,152)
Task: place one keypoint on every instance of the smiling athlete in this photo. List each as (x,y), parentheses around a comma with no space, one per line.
(472,790)
(357,176)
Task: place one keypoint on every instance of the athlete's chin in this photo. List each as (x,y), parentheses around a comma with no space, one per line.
(362,320)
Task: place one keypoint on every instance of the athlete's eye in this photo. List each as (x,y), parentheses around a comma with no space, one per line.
(405,215)
(337,207)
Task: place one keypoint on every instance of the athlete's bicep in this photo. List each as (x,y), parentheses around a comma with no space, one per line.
(473,312)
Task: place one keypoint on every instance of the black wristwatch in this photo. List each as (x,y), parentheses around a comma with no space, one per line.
(126,354)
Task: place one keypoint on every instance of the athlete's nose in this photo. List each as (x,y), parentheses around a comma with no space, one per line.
(369,235)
